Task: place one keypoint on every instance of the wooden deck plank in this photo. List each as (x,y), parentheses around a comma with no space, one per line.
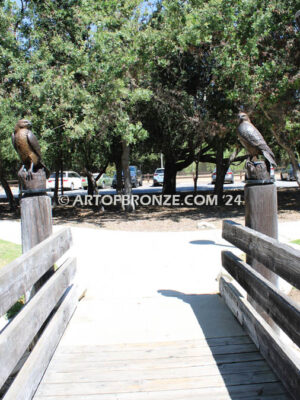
(217,341)
(155,373)
(170,362)
(148,368)
(155,353)
(220,369)
(268,391)
(144,385)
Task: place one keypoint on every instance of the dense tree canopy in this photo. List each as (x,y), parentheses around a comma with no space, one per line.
(167,76)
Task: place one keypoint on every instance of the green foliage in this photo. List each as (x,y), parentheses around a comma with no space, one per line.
(168,77)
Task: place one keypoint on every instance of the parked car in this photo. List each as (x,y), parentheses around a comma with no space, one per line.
(158,176)
(272,174)
(84,182)
(103,182)
(136,177)
(71,180)
(287,174)
(284,175)
(229,177)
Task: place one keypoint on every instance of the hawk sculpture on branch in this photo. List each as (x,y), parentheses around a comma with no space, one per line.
(28,148)
(253,141)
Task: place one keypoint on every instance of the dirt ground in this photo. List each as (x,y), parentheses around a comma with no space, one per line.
(159,218)
(156,218)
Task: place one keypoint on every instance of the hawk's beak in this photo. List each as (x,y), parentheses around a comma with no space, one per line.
(28,123)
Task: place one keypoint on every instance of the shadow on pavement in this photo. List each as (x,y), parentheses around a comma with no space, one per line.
(241,367)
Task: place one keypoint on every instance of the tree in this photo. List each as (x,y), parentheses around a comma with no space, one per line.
(253,55)
(11,63)
(99,80)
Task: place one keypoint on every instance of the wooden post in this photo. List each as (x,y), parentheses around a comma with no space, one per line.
(261,215)
(36,216)
(36,226)
(36,220)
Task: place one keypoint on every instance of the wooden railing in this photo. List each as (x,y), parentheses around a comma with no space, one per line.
(283,357)
(57,297)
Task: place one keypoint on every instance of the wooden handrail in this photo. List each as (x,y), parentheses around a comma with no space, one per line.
(285,262)
(280,258)
(280,356)
(284,311)
(18,335)
(21,274)
(46,314)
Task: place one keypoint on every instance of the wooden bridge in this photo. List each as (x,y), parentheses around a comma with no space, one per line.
(256,362)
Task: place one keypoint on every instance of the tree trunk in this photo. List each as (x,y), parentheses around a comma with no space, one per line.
(62,176)
(169,186)
(127,179)
(8,192)
(118,163)
(56,186)
(295,165)
(92,184)
(221,170)
(196,176)
(102,171)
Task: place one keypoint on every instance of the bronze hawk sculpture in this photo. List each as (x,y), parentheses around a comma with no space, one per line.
(253,141)
(28,148)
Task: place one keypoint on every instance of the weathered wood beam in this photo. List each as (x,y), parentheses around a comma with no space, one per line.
(28,379)
(21,274)
(17,336)
(283,310)
(278,257)
(280,357)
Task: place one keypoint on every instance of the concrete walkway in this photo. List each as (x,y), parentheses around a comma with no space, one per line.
(148,286)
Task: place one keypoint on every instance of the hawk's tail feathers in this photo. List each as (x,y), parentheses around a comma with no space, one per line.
(268,156)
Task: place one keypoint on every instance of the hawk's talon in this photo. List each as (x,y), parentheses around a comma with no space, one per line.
(29,176)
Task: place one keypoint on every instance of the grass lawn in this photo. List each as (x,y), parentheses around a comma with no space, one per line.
(8,252)
(296,241)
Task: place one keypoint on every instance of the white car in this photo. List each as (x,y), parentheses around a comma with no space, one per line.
(158,176)
(71,180)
